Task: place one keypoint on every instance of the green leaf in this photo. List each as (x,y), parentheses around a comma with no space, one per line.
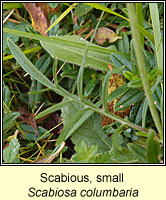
(42,65)
(145,106)
(141,29)
(73,51)
(89,154)
(157,97)
(117,92)
(128,75)
(105,85)
(35,73)
(62,16)
(9,35)
(120,60)
(133,59)
(28,51)
(30,133)
(153,148)
(82,9)
(103,8)
(31,69)
(136,113)
(138,151)
(117,140)
(89,87)
(123,24)
(77,118)
(71,73)
(12,5)
(90,131)
(132,96)
(34,99)
(9,119)
(6,95)
(10,153)
(123,156)
(52,109)
(54,29)
(98,57)
(123,45)
(157,33)
(83,153)
(135,83)
(153,74)
(102,157)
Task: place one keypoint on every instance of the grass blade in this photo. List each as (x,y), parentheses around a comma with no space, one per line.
(62,16)
(103,8)
(157,33)
(52,109)
(38,48)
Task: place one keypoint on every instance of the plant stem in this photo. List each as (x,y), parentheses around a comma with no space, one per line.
(140,20)
(91,106)
(142,68)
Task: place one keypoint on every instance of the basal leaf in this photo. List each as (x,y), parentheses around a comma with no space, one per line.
(83,153)
(74,54)
(102,158)
(138,151)
(30,68)
(10,153)
(9,119)
(153,148)
(6,94)
(98,57)
(123,156)
(90,131)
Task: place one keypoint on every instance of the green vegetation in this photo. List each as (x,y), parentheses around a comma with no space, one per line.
(83,83)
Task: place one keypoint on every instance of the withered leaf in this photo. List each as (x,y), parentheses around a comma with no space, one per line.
(39,16)
(104,33)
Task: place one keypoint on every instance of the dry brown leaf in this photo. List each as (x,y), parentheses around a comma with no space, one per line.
(39,16)
(104,33)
